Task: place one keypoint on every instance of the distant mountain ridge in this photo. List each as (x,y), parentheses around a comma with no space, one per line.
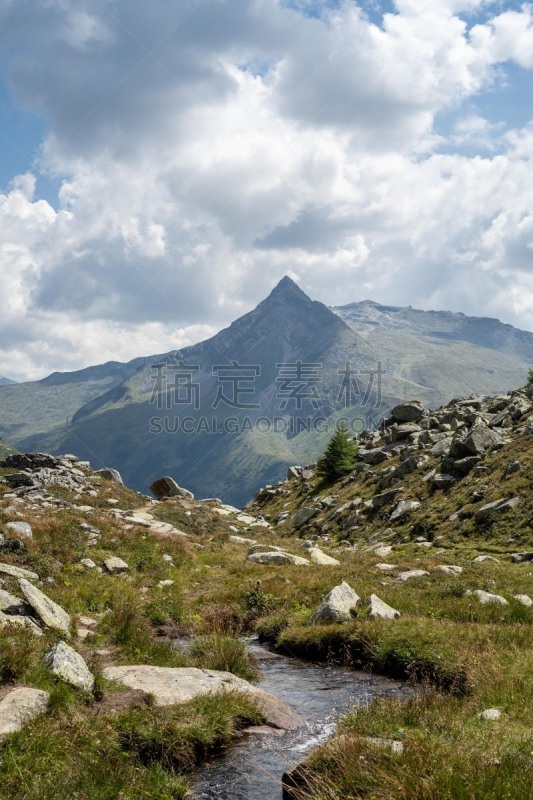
(115,414)
(5,381)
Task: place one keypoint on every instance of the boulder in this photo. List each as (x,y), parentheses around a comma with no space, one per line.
(525,599)
(19,707)
(403,509)
(166,487)
(482,559)
(51,614)
(18,572)
(174,686)
(110,474)
(504,504)
(487,597)
(65,663)
(274,557)
(21,529)
(316,555)
(411,411)
(490,714)
(384,498)
(448,569)
(337,606)
(20,621)
(257,547)
(412,573)
(115,565)
(304,515)
(520,558)
(378,608)
(480,439)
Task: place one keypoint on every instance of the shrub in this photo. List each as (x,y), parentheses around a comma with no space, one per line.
(340,456)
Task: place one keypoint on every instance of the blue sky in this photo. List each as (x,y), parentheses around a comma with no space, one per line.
(163,165)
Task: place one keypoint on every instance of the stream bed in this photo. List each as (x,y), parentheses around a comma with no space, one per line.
(252,769)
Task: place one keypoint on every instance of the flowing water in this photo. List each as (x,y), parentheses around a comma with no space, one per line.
(253,768)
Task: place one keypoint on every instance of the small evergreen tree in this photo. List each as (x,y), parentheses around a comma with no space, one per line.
(530,376)
(340,456)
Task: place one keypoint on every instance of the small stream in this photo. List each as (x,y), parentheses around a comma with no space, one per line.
(252,769)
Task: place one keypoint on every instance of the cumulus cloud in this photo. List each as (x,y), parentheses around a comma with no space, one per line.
(204,148)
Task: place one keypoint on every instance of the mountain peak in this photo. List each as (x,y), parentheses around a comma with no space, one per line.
(287,288)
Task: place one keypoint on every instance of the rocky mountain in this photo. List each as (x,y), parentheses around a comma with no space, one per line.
(5,381)
(236,409)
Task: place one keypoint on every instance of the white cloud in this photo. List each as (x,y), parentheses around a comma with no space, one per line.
(206,149)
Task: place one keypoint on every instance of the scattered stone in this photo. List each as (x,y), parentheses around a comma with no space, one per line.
(482,559)
(257,547)
(316,555)
(18,529)
(18,572)
(174,686)
(503,504)
(383,499)
(240,539)
(442,481)
(89,563)
(520,558)
(275,557)
(110,475)
(19,707)
(166,487)
(491,714)
(337,606)
(525,599)
(304,515)
(10,604)
(412,573)
(449,569)
(403,509)
(378,608)
(115,565)
(20,622)
(385,567)
(487,597)
(65,663)
(411,411)
(52,615)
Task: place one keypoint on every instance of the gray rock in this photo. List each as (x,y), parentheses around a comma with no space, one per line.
(504,504)
(336,606)
(490,714)
(18,572)
(520,558)
(525,599)
(448,569)
(257,547)
(10,604)
(411,411)
(52,615)
(174,686)
(487,597)
(276,558)
(115,565)
(166,487)
(482,559)
(403,509)
(304,515)
(480,439)
(110,475)
(19,707)
(316,555)
(18,529)
(378,608)
(20,621)
(65,663)
(442,481)
(384,498)
(412,573)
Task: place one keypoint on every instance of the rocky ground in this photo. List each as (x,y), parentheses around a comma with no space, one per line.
(416,565)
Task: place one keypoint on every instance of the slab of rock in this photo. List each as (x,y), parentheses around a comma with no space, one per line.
(379,609)
(234,539)
(22,529)
(525,599)
(257,547)
(336,606)
(385,567)
(52,615)
(304,515)
(442,481)
(275,557)
(19,707)
(18,572)
(411,411)
(403,509)
(520,558)
(11,604)
(115,565)
(490,714)
(482,559)
(380,500)
(316,555)
(504,504)
(110,475)
(487,597)
(449,569)
(174,686)
(65,663)
(20,621)
(166,487)
(412,573)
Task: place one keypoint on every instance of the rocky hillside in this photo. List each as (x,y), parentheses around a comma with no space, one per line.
(417,565)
